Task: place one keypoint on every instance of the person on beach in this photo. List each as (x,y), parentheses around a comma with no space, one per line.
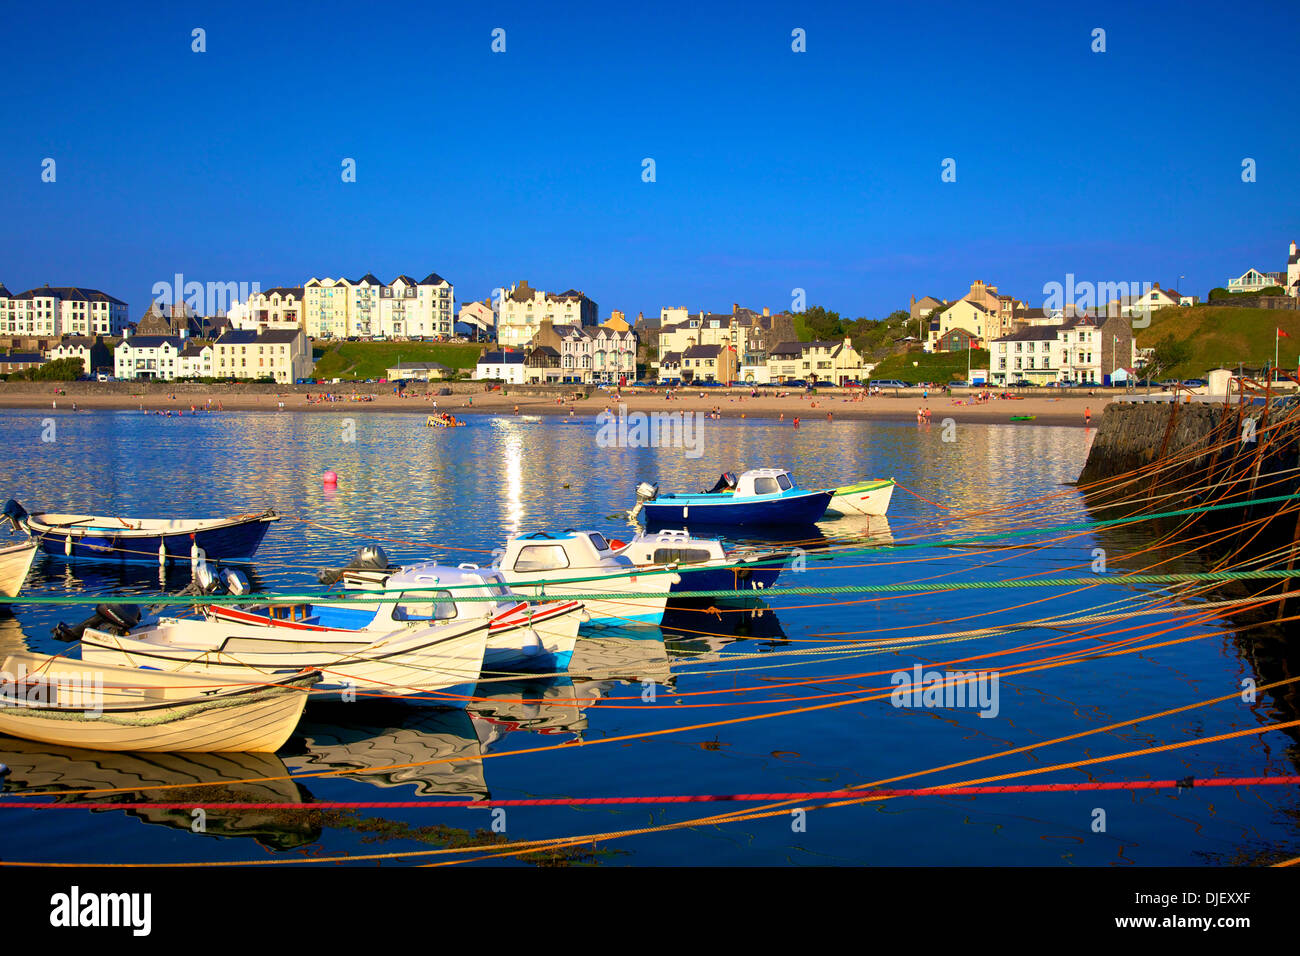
(1087,415)
(796,421)
(830,416)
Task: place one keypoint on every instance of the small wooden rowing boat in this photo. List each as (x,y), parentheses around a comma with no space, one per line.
(97,707)
(864,498)
(15,561)
(142,540)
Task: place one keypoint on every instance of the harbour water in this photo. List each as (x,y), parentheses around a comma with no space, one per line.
(455,494)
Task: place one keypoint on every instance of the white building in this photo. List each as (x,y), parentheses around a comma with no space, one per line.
(480,317)
(523,309)
(507,366)
(283,355)
(148,357)
(1082,349)
(1293,272)
(1252,280)
(278,308)
(371,308)
(196,360)
(62,310)
(92,353)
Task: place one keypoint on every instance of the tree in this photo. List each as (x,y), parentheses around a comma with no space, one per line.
(59,370)
(821,323)
(1169,353)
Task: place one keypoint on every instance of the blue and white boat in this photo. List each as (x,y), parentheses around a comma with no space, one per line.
(143,540)
(704,563)
(761,497)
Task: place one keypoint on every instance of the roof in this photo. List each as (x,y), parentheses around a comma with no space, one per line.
(77,342)
(370,278)
(193,349)
(249,337)
(788,348)
(69,292)
(23,357)
(433,279)
(295,291)
(702,351)
(151,341)
(4,293)
(502,358)
(1032,333)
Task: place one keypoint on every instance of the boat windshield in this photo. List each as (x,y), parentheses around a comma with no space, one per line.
(541,557)
(765,486)
(785,482)
(425,606)
(680,556)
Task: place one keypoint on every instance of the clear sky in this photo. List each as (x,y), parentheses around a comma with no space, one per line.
(775,170)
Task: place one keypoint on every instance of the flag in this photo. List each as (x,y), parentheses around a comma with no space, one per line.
(1284,335)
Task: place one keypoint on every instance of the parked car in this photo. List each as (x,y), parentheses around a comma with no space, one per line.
(1022,383)
(889,383)
(1196,383)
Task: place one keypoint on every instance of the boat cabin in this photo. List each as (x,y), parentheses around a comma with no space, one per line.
(671,547)
(764,482)
(545,551)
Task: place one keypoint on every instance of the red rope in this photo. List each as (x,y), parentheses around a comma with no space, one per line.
(685,798)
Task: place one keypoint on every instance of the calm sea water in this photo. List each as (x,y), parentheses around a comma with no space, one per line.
(456,494)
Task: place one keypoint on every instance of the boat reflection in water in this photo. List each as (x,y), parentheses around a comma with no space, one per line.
(194,778)
(693,631)
(86,575)
(378,742)
(542,706)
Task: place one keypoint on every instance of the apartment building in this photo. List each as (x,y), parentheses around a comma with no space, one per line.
(523,309)
(1082,349)
(405,308)
(61,310)
(93,354)
(149,357)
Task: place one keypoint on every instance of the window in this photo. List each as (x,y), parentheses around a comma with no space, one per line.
(784,482)
(541,557)
(679,556)
(765,486)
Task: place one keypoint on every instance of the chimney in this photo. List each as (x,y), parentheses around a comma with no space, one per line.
(768,312)
(735,307)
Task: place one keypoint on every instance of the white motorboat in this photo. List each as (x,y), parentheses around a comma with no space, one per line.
(704,563)
(583,562)
(15,561)
(522,636)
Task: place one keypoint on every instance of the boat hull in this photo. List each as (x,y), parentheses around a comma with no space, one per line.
(237,540)
(15,561)
(97,707)
(615,612)
(436,664)
(805,508)
(870,498)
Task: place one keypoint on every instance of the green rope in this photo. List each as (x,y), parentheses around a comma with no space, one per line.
(374,598)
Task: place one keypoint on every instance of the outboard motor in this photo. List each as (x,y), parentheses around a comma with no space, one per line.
(234,582)
(115,618)
(370,557)
(646,491)
(15,514)
(726,482)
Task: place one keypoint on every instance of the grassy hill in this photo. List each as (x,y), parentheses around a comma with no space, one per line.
(1223,336)
(937,367)
(362,360)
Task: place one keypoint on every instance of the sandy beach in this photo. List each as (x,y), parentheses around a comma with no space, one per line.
(1046,408)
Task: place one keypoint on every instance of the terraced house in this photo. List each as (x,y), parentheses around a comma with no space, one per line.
(371,308)
(825,362)
(61,310)
(524,309)
(586,354)
(281,354)
(751,335)
(1082,349)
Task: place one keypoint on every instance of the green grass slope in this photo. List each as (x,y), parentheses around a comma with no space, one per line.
(1223,336)
(936,367)
(362,360)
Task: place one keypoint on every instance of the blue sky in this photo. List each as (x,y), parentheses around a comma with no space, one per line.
(775,170)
